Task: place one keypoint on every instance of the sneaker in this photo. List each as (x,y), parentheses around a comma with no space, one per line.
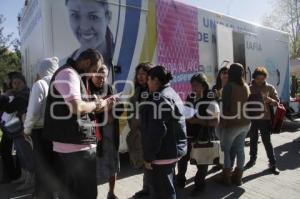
(28,184)
(273,169)
(141,194)
(250,164)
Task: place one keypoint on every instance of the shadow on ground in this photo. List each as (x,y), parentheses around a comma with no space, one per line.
(212,186)
(288,156)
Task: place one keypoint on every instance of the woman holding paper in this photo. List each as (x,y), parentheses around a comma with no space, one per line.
(108,164)
(200,127)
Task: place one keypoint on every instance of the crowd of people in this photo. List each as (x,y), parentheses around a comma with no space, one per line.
(66,130)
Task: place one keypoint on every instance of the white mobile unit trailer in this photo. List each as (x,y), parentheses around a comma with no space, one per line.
(186,39)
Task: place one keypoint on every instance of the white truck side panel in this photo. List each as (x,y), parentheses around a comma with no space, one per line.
(46,32)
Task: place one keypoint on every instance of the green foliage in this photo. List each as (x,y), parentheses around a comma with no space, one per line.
(10,60)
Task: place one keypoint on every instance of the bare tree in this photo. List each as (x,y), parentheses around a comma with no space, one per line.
(285,16)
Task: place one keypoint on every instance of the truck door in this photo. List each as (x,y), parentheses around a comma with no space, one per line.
(224,45)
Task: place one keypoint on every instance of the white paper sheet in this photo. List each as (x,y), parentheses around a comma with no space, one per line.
(189,112)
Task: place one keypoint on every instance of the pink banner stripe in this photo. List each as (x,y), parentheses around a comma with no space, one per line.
(178,48)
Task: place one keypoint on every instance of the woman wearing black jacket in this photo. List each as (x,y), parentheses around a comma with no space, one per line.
(201,127)
(10,170)
(163,133)
(19,106)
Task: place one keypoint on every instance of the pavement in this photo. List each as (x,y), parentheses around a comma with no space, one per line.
(258,182)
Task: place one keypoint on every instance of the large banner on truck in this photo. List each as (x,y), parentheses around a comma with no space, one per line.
(119,29)
(177,45)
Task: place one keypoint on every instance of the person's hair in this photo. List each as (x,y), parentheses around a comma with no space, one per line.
(201,79)
(103,69)
(161,73)
(219,80)
(236,73)
(104,3)
(8,85)
(145,66)
(92,54)
(20,77)
(260,71)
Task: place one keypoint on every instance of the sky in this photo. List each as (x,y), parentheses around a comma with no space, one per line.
(249,10)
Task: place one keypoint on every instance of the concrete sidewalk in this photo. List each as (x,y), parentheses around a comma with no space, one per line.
(258,182)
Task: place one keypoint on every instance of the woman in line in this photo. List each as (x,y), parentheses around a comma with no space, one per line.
(199,129)
(164,133)
(108,164)
(24,151)
(134,138)
(33,127)
(234,125)
(222,80)
(11,169)
(267,95)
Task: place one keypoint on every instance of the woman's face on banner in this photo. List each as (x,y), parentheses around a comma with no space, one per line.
(89,21)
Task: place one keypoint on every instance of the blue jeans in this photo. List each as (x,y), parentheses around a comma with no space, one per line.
(233,143)
(25,153)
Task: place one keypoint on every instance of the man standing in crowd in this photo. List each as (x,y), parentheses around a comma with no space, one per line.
(33,128)
(68,124)
(266,94)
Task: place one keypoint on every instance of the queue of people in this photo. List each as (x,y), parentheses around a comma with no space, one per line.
(66,132)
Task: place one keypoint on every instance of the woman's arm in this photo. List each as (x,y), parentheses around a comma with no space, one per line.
(34,110)
(273,98)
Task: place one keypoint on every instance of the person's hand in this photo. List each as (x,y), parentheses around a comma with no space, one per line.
(111,101)
(218,93)
(100,104)
(26,136)
(148,165)
(269,100)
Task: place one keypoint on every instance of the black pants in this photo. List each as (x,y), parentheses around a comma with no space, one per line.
(162,181)
(47,180)
(10,166)
(264,126)
(182,168)
(80,179)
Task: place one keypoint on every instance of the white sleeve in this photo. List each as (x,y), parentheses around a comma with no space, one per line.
(35,105)
(213,109)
